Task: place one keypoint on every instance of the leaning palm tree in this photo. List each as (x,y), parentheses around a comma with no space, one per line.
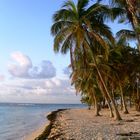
(119,62)
(78,28)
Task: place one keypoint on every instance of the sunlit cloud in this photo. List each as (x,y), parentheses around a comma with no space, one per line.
(21,66)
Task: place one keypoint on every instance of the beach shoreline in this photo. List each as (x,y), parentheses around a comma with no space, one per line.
(43,131)
(36,133)
(83,124)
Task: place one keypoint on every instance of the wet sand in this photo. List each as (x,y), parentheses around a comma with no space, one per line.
(36,133)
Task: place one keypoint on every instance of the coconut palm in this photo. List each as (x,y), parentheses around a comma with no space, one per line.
(84,80)
(130,13)
(79,28)
(70,24)
(120,70)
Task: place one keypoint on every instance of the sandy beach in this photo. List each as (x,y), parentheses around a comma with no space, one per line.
(82,124)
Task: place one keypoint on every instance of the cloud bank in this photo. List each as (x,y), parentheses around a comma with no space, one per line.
(53,90)
(35,84)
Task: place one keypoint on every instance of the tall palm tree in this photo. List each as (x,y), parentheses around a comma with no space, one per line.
(130,12)
(70,23)
(119,63)
(80,27)
(87,86)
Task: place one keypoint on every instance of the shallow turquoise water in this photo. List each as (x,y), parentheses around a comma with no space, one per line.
(18,120)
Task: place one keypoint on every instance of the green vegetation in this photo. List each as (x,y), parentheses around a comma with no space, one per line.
(105,69)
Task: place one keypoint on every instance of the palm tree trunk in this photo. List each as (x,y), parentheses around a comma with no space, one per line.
(134,21)
(116,112)
(138,98)
(113,96)
(121,103)
(103,105)
(130,101)
(97,109)
(111,110)
(108,102)
(125,110)
(71,58)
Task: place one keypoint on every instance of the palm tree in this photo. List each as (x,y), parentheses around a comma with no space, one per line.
(120,69)
(84,80)
(129,11)
(78,28)
(70,23)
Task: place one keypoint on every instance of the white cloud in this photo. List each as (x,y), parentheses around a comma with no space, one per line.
(46,70)
(57,82)
(2,78)
(49,84)
(22,59)
(21,67)
(35,83)
(53,90)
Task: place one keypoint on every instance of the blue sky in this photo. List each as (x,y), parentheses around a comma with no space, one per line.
(25,26)
(29,69)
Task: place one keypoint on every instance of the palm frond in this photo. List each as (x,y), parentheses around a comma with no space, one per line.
(70,5)
(97,11)
(60,37)
(81,6)
(64,14)
(103,30)
(117,13)
(66,44)
(127,34)
(101,41)
(59,25)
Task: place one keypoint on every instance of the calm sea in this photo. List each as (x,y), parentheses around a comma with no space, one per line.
(18,120)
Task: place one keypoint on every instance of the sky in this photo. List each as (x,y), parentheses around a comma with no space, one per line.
(29,69)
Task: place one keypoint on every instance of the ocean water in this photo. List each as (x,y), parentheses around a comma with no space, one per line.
(19,120)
